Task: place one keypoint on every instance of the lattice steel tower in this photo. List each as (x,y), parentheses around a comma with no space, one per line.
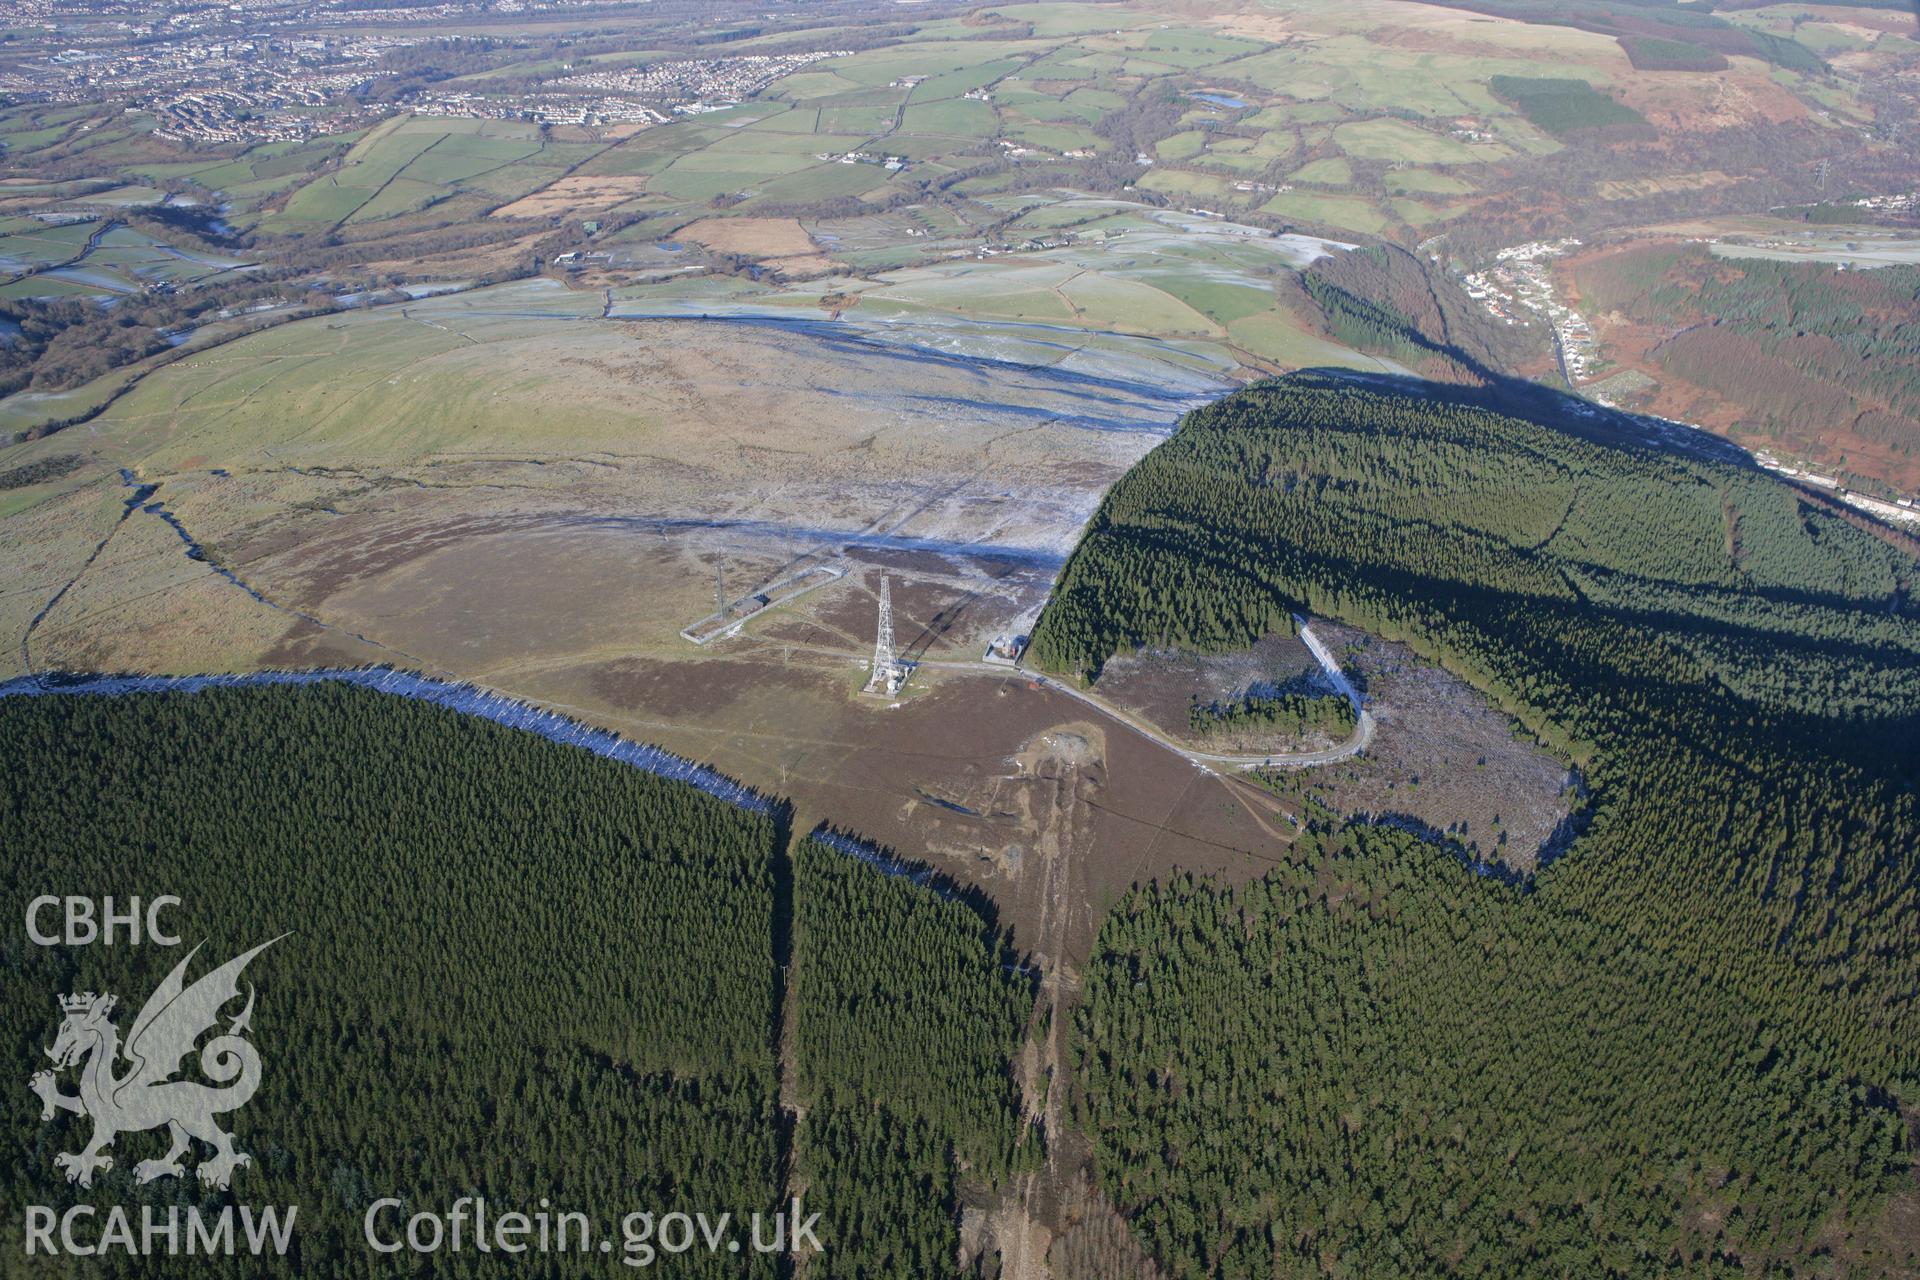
(888,674)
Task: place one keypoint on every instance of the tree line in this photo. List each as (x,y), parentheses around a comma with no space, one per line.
(1736,671)
(908,1008)
(1294,714)
(513,969)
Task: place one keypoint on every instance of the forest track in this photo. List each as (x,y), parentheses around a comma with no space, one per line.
(1211,761)
(1061,769)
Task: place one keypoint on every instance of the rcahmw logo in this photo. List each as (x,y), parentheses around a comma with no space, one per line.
(129,1087)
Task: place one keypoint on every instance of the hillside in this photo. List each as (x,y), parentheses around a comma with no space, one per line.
(511,969)
(1737,672)
(1103,639)
(1806,358)
(1383,300)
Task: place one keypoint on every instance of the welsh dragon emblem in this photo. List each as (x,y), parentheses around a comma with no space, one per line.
(144,1096)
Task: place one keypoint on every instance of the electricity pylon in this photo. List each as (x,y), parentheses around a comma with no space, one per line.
(888,674)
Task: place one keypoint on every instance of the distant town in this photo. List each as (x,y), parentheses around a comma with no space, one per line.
(203,82)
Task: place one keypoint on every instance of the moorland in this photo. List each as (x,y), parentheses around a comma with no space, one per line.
(1451,464)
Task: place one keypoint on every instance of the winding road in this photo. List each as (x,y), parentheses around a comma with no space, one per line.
(1212,762)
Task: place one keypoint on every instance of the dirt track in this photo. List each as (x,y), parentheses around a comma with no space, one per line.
(1362,733)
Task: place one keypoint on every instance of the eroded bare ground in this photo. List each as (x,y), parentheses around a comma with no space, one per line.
(583,615)
(1053,794)
(987,778)
(1443,761)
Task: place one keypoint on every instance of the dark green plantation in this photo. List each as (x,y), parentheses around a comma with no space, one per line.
(903,997)
(1371,1056)
(1737,672)
(1291,713)
(1560,106)
(515,970)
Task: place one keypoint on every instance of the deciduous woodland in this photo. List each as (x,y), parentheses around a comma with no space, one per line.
(1804,349)
(1683,1046)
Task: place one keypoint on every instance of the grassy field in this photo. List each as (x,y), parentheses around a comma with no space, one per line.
(405,165)
(1264,97)
(1355,213)
(1397,140)
(1330,172)
(1042,93)
(509,415)
(93,260)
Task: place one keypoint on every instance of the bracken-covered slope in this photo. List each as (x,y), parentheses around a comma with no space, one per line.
(1739,675)
(1806,357)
